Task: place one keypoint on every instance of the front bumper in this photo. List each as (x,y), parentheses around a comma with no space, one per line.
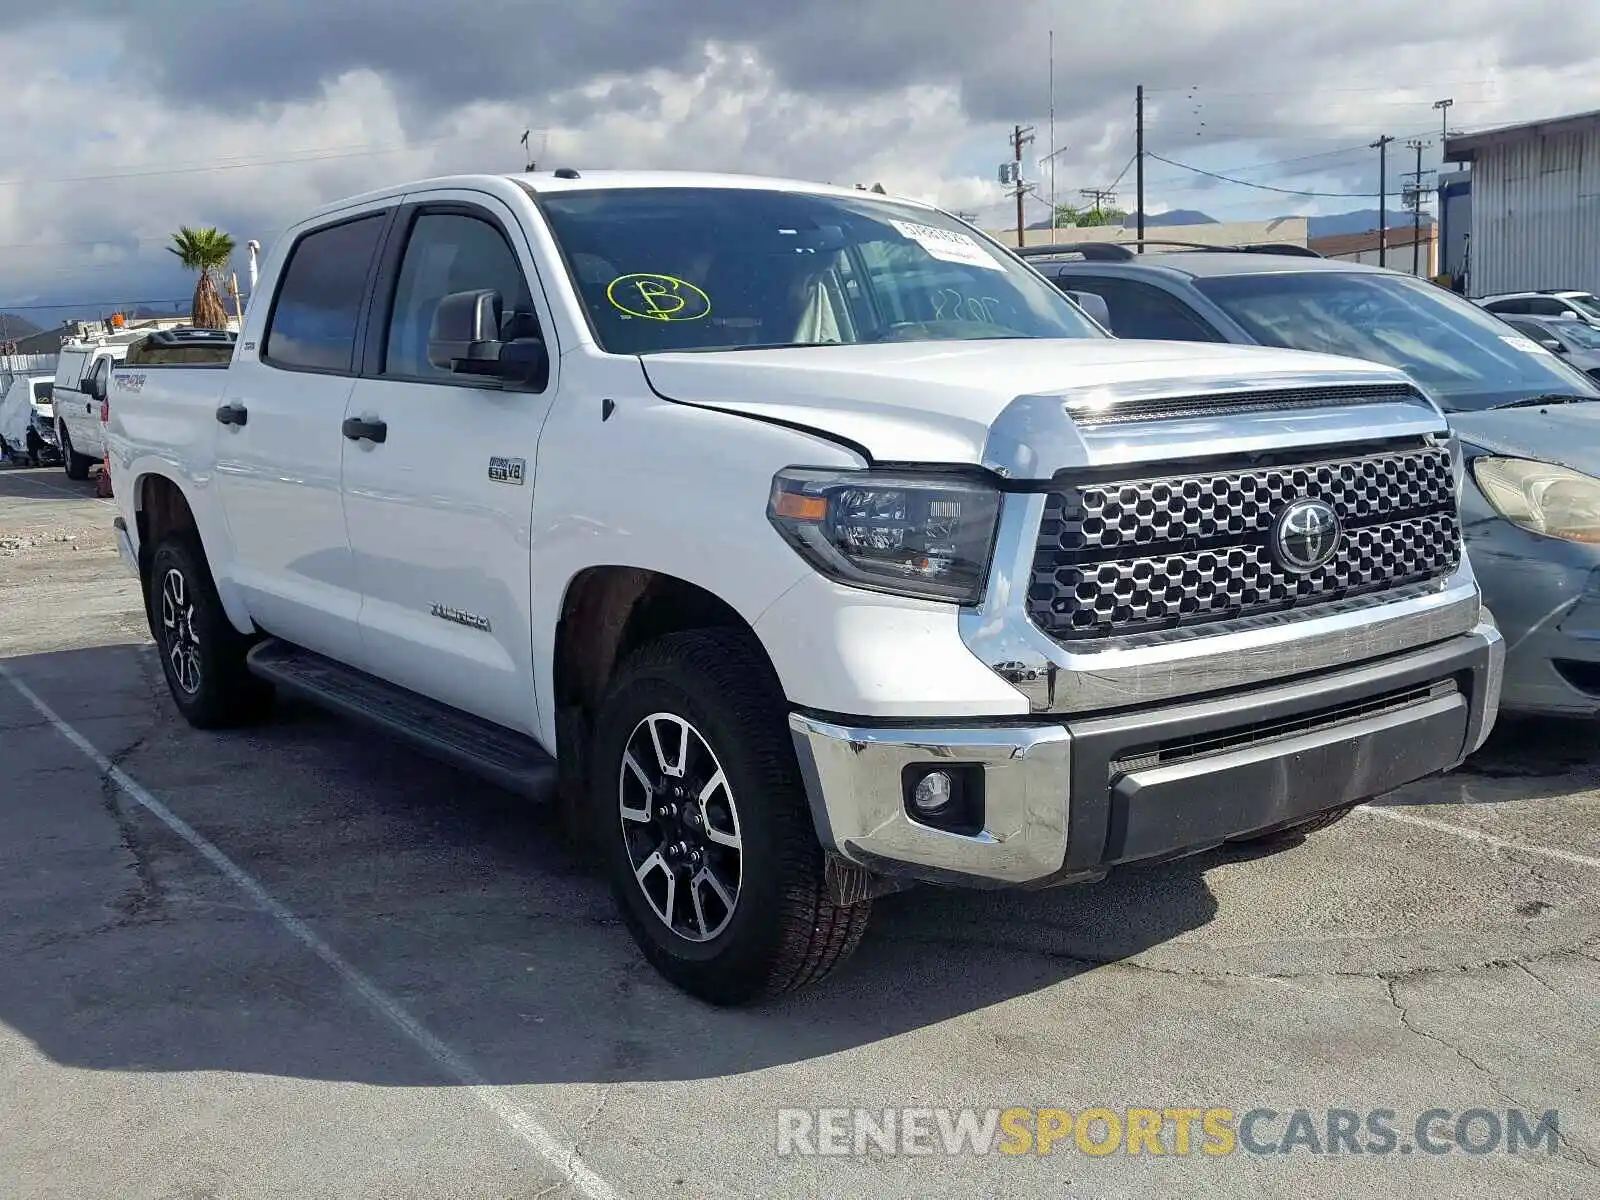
(1545,596)
(1069,798)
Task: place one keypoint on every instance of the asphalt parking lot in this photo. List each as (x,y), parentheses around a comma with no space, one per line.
(302,961)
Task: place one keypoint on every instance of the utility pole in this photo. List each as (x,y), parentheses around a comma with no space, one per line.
(1052,135)
(1138,156)
(1098,198)
(1414,201)
(1020,137)
(1382,147)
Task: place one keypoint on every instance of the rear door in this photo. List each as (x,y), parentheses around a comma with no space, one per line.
(440,511)
(279,450)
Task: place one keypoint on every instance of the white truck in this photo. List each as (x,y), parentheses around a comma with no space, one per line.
(82,373)
(804,544)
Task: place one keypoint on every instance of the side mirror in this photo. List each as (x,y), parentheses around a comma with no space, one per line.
(1552,345)
(465,333)
(1568,315)
(94,388)
(465,338)
(1093,304)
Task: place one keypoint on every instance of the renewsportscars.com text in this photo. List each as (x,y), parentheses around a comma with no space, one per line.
(1172,1131)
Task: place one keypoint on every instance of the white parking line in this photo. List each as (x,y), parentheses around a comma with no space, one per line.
(1477,835)
(69,493)
(564,1159)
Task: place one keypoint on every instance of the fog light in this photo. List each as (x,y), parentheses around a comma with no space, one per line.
(933,793)
(945,796)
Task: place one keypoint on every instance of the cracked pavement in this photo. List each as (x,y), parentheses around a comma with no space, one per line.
(161,1036)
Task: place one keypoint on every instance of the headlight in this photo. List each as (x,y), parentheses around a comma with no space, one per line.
(1542,497)
(907,534)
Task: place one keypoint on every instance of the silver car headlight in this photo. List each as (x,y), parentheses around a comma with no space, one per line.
(910,534)
(1542,497)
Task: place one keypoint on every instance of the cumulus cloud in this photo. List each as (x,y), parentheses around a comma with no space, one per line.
(125,120)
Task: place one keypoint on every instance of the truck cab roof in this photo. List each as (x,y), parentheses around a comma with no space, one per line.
(566,180)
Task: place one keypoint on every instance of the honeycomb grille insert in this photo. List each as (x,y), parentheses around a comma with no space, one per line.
(1166,552)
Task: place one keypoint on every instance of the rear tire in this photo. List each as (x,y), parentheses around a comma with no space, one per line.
(74,464)
(693,742)
(202,654)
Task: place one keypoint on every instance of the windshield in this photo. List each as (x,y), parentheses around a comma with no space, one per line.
(42,392)
(1584,303)
(1468,358)
(667,269)
(1585,337)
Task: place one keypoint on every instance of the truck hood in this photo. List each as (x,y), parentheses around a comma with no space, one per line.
(934,402)
(1568,434)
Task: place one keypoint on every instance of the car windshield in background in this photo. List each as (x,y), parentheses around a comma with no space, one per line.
(1585,337)
(669,269)
(1468,358)
(43,391)
(1584,303)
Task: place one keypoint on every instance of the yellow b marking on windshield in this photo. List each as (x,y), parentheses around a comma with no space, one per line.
(658,297)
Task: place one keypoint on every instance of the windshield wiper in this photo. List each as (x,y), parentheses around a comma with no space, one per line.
(1546,398)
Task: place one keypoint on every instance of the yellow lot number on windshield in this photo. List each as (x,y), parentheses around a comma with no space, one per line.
(658,297)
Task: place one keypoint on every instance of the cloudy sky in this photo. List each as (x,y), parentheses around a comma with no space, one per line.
(124,119)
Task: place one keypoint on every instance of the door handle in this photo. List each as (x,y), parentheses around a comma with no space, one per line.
(233,414)
(356,428)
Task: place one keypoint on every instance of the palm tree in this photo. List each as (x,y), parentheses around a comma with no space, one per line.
(206,251)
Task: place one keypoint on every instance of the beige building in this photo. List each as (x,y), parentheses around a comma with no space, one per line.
(1292,230)
(1398,255)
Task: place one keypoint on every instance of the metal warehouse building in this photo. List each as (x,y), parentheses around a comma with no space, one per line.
(1535,205)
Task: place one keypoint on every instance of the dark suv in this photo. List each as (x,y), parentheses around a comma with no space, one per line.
(1528,422)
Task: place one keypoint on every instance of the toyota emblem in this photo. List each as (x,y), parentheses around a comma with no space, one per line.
(1305,536)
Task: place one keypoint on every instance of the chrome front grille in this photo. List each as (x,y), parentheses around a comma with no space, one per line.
(1172,550)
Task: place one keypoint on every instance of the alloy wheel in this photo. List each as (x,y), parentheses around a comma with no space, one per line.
(177,623)
(680,825)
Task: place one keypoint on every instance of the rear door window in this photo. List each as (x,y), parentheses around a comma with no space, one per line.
(318,307)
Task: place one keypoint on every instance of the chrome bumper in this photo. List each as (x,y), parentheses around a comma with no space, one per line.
(1070,798)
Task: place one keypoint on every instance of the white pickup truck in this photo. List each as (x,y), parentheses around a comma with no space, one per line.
(805,543)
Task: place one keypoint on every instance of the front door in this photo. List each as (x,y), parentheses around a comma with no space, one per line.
(439,511)
(279,446)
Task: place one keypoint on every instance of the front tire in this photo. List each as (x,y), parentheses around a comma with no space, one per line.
(702,821)
(202,654)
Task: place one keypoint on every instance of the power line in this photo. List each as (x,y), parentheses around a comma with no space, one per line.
(1128,166)
(1264,187)
(1283,162)
(245,164)
(1193,88)
(118,303)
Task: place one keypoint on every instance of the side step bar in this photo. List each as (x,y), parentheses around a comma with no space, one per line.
(511,760)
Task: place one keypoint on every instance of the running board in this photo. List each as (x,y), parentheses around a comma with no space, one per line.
(511,760)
